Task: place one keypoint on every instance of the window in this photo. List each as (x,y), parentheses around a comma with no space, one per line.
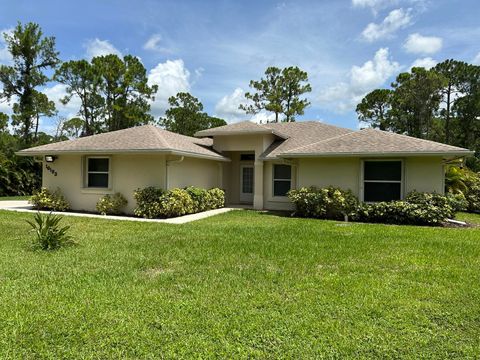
(382,180)
(97,172)
(282,179)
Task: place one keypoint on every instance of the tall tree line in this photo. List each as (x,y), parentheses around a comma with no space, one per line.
(440,104)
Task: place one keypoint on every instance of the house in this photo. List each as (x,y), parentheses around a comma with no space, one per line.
(255,163)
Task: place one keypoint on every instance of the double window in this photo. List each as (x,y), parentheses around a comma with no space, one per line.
(282,179)
(382,180)
(98,172)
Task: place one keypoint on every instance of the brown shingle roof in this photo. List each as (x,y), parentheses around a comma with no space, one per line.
(147,138)
(301,134)
(240,128)
(374,142)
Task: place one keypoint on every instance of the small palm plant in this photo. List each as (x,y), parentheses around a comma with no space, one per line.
(48,233)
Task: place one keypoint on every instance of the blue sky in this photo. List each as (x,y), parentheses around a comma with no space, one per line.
(213,48)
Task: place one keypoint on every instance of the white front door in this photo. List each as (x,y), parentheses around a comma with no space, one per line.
(246,183)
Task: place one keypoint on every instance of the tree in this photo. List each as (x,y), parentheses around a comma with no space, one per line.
(126,92)
(32,55)
(415,100)
(73,127)
(375,108)
(3,122)
(185,115)
(41,107)
(454,73)
(83,81)
(279,92)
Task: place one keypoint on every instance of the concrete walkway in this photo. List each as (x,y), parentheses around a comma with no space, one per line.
(24,206)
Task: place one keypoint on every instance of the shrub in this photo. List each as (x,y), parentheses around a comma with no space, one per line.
(424,199)
(176,202)
(325,203)
(148,202)
(400,212)
(48,233)
(200,198)
(466,182)
(215,198)
(111,204)
(154,203)
(47,200)
(457,201)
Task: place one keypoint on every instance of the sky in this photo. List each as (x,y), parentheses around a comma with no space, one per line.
(212,49)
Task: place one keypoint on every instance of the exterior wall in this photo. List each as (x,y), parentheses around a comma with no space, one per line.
(197,172)
(424,175)
(322,172)
(127,173)
(231,178)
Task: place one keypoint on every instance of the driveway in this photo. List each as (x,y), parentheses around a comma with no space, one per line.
(15,204)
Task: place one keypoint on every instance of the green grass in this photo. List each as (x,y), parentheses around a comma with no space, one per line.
(6,198)
(240,285)
(469,218)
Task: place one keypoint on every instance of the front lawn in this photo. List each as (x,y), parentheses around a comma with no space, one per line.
(241,284)
(469,218)
(8,198)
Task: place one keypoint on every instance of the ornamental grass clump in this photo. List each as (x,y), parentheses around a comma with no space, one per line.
(49,235)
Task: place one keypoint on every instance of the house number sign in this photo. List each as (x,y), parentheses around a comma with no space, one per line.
(52,171)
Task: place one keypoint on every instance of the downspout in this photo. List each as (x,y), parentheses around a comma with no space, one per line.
(167,164)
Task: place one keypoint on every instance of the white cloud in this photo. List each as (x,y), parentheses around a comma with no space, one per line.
(426,63)
(374,5)
(395,20)
(58,92)
(363,79)
(227,107)
(97,47)
(171,77)
(5,56)
(476,60)
(154,43)
(418,44)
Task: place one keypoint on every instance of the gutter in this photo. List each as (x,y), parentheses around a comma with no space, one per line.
(125,152)
(379,154)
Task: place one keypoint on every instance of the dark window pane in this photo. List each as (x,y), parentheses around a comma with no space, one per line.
(98,165)
(383,170)
(382,191)
(247,180)
(98,180)
(282,172)
(247,157)
(280,188)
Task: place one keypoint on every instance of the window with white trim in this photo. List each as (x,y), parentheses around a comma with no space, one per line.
(382,180)
(282,179)
(98,169)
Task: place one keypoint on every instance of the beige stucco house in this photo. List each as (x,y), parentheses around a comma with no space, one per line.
(255,164)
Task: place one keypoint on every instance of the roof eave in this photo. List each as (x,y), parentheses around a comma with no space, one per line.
(378,154)
(132,151)
(200,134)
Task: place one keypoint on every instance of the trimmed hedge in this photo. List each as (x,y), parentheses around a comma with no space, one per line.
(334,204)
(325,203)
(111,204)
(45,199)
(156,203)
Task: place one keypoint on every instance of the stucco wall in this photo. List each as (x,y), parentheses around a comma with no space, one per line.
(128,172)
(322,172)
(424,174)
(197,172)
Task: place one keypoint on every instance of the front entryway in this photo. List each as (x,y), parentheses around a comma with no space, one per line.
(246,183)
